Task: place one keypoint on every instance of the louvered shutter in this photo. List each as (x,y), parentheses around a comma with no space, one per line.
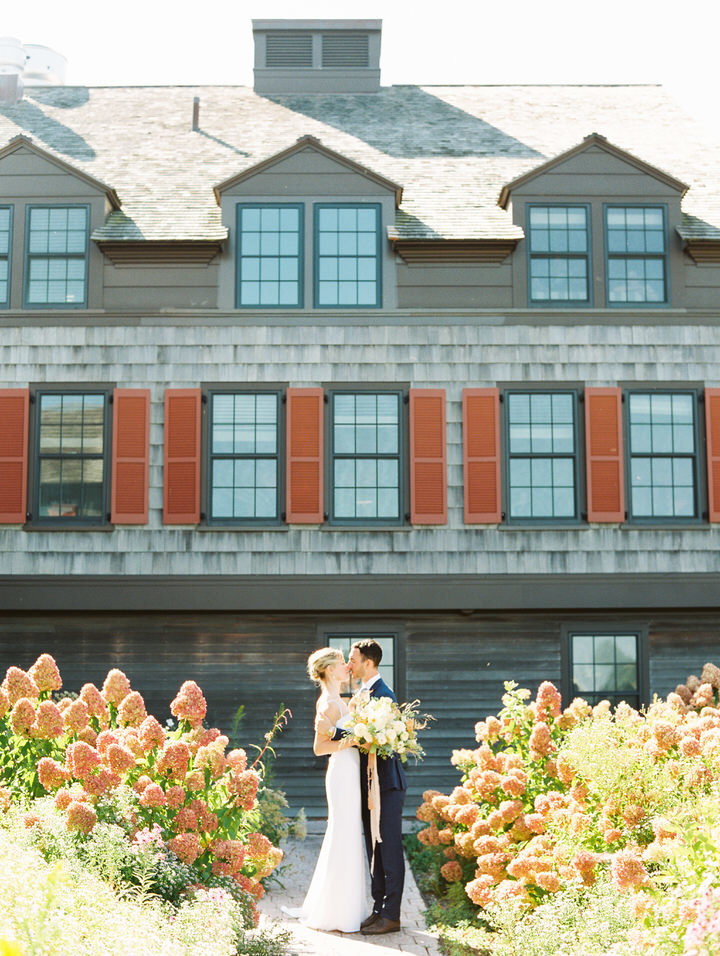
(428,456)
(14,417)
(712,432)
(130,455)
(481,455)
(604,454)
(181,476)
(305,413)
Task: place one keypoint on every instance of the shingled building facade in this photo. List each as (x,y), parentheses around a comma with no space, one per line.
(285,366)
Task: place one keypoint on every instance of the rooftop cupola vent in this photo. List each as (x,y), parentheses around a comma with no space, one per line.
(317,56)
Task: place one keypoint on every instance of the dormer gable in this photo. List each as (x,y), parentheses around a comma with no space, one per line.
(308,157)
(23,147)
(570,173)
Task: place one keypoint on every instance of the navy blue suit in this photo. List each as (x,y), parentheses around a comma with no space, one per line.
(388,878)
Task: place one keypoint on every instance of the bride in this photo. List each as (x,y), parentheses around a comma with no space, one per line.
(336,897)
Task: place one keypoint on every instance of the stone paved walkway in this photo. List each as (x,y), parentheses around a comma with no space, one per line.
(300,857)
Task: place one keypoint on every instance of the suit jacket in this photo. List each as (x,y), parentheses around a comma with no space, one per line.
(391,774)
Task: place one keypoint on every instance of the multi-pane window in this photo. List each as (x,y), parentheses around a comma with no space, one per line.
(270,261)
(559,254)
(71,448)
(344,643)
(57,248)
(347,255)
(605,667)
(5,236)
(366,453)
(663,454)
(542,455)
(636,255)
(243,456)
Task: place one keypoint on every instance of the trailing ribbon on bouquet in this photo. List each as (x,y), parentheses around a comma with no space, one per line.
(373,804)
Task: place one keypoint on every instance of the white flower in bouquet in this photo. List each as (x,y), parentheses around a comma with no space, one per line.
(385,728)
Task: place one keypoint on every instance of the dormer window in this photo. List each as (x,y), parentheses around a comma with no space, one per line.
(559,255)
(5,235)
(348,255)
(57,251)
(270,259)
(636,255)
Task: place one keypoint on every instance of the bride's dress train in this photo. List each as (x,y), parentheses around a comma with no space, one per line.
(336,897)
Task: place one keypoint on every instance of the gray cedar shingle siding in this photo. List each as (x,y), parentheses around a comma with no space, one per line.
(451,356)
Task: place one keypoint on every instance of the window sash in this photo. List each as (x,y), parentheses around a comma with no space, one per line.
(542,456)
(270,256)
(6,230)
(559,254)
(605,665)
(348,261)
(69,456)
(636,256)
(244,481)
(663,442)
(358,463)
(56,256)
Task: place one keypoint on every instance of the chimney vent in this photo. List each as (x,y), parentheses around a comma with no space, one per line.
(317,56)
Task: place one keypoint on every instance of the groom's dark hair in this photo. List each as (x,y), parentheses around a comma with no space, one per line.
(370,649)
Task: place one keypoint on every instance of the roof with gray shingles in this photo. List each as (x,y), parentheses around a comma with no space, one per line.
(451,148)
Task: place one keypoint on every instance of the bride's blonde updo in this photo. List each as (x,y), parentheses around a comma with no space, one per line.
(320,660)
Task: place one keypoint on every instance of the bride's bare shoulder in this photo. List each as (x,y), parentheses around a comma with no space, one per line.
(328,706)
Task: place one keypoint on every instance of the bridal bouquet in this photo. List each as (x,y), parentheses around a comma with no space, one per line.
(385,728)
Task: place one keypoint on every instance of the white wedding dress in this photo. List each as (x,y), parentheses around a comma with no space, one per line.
(336,897)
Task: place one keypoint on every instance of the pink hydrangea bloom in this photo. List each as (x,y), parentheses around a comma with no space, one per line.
(63,799)
(627,870)
(80,759)
(153,796)
(190,704)
(94,700)
(185,846)
(141,783)
(245,787)
(151,734)
(120,759)
(80,817)
(18,684)
(174,760)
(237,760)
(116,687)
(48,721)
(451,872)
(185,819)
(548,702)
(480,890)
(540,741)
(100,781)
(22,717)
(4,703)
(213,758)
(51,774)
(131,711)
(175,796)
(231,853)
(76,716)
(45,673)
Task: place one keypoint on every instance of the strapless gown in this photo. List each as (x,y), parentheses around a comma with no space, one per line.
(336,898)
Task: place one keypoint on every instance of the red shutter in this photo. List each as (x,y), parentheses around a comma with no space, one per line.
(305,414)
(604,454)
(712,433)
(481,455)
(181,478)
(428,456)
(14,416)
(130,455)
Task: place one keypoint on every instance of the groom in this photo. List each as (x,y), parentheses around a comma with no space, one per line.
(388,875)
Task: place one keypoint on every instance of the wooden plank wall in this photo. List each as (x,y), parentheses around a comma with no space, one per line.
(455,665)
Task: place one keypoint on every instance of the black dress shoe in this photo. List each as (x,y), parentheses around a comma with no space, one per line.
(372,918)
(380,926)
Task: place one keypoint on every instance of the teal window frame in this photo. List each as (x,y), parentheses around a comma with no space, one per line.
(317,210)
(213,457)
(631,467)
(399,456)
(40,456)
(536,456)
(6,257)
(564,255)
(637,256)
(300,209)
(589,644)
(57,256)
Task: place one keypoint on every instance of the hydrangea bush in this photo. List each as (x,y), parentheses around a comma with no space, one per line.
(581,803)
(180,795)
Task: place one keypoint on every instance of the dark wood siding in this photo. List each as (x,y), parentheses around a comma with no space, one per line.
(455,663)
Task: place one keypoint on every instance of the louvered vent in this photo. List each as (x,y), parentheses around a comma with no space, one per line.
(289,50)
(345,50)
